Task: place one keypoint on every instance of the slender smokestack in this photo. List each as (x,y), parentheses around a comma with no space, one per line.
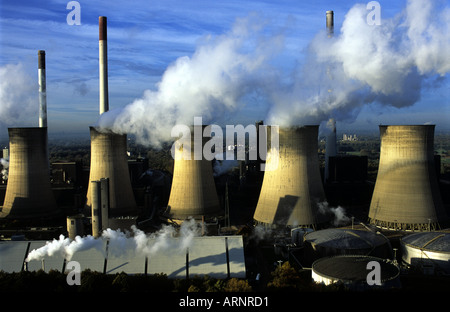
(103,65)
(42,90)
(330,23)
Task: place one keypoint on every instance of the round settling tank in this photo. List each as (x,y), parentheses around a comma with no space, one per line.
(356,272)
(427,251)
(332,242)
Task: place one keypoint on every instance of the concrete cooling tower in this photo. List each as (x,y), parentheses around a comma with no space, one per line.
(291,193)
(29,195)
(193,193)
(406,194)
(109,160)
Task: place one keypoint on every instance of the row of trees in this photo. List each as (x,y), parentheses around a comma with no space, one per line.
(284,278)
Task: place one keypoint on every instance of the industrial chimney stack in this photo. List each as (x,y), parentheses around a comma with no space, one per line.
(406,194)
(292,190)
(103,64)
(42,89)
(109,150)
(330,23)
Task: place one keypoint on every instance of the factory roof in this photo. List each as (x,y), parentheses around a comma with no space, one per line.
(345,238)
(433,241)
(216,256)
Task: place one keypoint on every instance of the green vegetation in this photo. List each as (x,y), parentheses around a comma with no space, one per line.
(284,278)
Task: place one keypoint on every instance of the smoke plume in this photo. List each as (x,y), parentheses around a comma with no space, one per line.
(119,243)
(388,64)
(18,95)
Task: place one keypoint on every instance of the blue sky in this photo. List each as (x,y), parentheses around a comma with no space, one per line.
(147,37)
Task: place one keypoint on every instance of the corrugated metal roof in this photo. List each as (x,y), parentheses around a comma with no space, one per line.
(216,256)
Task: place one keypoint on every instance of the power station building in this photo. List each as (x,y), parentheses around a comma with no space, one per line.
(193,193)
(406,195)
(29,195)
(292,186)
(109,161)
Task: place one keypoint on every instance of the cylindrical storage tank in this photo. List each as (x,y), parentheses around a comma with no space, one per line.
(406,194)
(333,242)
(109,160)
(356,272)
(193,192)
(427,251)
(292,186)
(75,226)
(28,193)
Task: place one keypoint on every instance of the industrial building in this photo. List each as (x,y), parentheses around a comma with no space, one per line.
(218,256)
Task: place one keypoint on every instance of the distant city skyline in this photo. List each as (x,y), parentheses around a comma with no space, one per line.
(146,40)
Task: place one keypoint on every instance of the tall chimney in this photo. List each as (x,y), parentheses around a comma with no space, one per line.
(330,23)
(406,194)
(103,65)
(331,146)
(292,191)
(42,89)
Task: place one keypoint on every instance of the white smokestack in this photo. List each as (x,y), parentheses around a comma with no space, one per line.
(42,89)
(103,65)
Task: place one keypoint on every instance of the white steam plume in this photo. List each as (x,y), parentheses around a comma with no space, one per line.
(119,243)
(387,64)
(18,96)
(340,218)
(212,82)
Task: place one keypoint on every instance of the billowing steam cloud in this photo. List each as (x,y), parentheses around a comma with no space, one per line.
(387,64)
(214,80)
(120,242)
(18,95)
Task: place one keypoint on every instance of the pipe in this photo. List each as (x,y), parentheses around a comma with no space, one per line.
(42,89)
(103,64)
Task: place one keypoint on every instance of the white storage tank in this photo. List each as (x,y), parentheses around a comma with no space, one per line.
(427,251)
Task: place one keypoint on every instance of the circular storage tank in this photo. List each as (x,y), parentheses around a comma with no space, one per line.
(332,242)
(427,251)
(354,271)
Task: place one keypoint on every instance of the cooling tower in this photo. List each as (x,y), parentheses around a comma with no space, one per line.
(193,193)
(28,193)
(291,191)
(109,160)
(406,194)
